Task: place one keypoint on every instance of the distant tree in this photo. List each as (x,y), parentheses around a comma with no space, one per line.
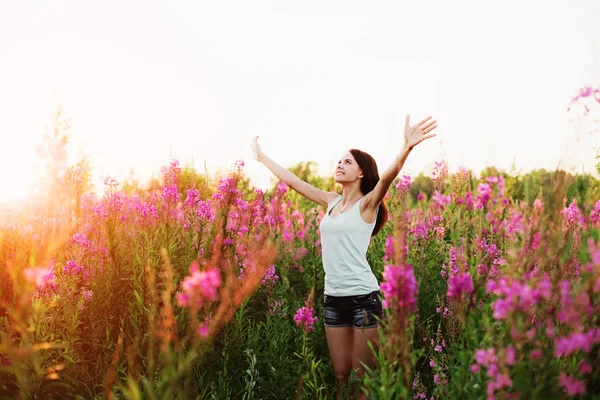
(420,184)
(192,179)
(493,171)
(585,188)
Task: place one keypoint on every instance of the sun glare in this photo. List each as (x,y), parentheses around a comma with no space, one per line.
(16,176)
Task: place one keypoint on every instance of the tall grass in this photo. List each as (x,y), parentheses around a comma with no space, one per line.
(188,290)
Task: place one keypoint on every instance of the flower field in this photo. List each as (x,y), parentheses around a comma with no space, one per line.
(190,288)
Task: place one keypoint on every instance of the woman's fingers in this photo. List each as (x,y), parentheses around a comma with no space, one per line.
(425,120)
(429,128)
(424,127)
(429,135)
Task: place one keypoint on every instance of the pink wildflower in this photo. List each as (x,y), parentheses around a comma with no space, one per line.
(39,276)
(87,295)
(305,318)
(585,368)
(72,268)
(282,188)
(287,236)
(572,214)
(149,211)
(238,165)
(277,308)
(595,215)
(270,277)
(441,200)
(300,253)
(535,354)
(389,248)
(440,172)
(170,194)
(204,211)
(575,342)
(459,284)
(171,173)
(511,355)
(484,193)
(80,239)
(192,198)
(203,330)
(199,287)
(571,385)
(400,286)
(404,184)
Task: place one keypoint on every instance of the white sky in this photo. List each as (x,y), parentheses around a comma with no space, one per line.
(199,80)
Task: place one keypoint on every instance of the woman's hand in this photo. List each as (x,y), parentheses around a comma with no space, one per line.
(413,135)
(258,153)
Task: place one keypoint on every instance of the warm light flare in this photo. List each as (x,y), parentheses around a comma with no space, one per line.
(17,175)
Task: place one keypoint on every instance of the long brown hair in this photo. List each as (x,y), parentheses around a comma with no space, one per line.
(369,180)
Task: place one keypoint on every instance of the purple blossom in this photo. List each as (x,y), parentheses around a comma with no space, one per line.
(199,287)
(205,212)
(300,253)
(72,268)
(459,284)
(400,287)
(572,214)
(281,188)
(571,385)
(80,239)
(389,248)
(171,173)
(595,215)
(575,342)
(441,200)
(517,296)
(238,165)
(203,330)
(287,236)
(149,211)
(39,276)
(277,308)
(305,318)
(420,230)
(86,295)
(192,198)
(270,276)
(404,184)
(484,193)
(170,194)
(440,172)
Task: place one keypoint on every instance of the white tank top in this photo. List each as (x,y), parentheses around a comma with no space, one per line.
(345,239)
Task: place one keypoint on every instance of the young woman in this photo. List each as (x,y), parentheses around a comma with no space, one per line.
(352,298)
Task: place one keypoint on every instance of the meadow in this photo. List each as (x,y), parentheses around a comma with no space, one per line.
(197,287)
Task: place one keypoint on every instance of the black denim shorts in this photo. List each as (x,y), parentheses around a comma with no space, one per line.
(362,311)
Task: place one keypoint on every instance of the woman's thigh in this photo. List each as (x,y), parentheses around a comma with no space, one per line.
(340,341)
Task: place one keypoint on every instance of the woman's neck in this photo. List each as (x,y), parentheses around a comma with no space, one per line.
(351,194)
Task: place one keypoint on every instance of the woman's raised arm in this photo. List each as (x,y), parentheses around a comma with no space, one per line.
(304,188)
(413,135)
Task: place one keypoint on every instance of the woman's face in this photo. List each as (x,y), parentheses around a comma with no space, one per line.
(347,169)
